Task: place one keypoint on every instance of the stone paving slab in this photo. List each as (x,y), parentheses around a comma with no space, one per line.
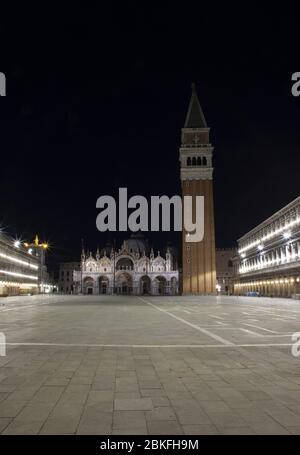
(133,404)
(118,365)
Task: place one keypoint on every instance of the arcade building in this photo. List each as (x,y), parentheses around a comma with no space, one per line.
(19,268)
(268,260)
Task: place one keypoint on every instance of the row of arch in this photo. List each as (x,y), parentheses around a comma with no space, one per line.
(196,161)
(126,263)
(279,287)
(124,285)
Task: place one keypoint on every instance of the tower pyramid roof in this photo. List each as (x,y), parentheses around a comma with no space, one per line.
(195,117)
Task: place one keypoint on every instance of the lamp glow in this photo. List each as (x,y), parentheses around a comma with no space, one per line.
(18,261)
(272,234)
(31,277)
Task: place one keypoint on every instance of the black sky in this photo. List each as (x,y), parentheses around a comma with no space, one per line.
(96,98)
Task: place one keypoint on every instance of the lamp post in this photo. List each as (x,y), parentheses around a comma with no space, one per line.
(81,267)
(40,250)
(114,253)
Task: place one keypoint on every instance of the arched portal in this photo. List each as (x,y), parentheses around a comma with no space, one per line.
(124,283)
(103,285)
(124,263)
(88,285)
(160,284)
(145,285)
(173,285)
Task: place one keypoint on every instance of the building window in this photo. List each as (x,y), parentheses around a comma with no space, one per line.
(199,161)
(188,161)
(194,161)
(204,161)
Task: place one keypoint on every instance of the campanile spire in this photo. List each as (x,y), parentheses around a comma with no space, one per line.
(194,117)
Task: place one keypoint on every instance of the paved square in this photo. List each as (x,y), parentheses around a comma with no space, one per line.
(150,365)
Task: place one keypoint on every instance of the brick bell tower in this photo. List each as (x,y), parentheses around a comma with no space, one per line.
(196,173)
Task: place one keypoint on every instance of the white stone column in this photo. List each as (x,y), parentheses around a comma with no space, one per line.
(282,254)
(293,251)
(277,255)
(287,253)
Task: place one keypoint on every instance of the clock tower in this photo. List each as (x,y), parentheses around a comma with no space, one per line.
(196,173)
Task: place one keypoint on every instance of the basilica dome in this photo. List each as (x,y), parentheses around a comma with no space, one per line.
(136,244)
(106,250)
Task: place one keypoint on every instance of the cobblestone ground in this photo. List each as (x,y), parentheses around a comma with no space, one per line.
(130,365)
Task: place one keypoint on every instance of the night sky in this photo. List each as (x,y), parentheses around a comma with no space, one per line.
(96,98)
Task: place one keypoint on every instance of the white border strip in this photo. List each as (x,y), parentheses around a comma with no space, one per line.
(190,346)
(194,326)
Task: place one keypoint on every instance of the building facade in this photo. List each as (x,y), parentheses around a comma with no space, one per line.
(19,268)
(268,260)
(65,276)
(130,270)
(196,172)
(225,270)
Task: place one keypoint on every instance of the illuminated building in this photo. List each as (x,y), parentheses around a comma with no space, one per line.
(196,172)
(133,269)
(268,260)
(19,268)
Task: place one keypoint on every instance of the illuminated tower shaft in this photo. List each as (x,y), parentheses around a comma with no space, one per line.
(198,258)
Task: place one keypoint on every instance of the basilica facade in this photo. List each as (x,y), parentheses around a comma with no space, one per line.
(133,269)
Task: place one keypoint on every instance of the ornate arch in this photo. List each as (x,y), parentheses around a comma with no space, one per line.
(125,260)
(87,279)
(90,265)
(105,265)
(124,282)
(145,285)
(104,284)
(88,283)
(159,285)
(143,264)
(158,265)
